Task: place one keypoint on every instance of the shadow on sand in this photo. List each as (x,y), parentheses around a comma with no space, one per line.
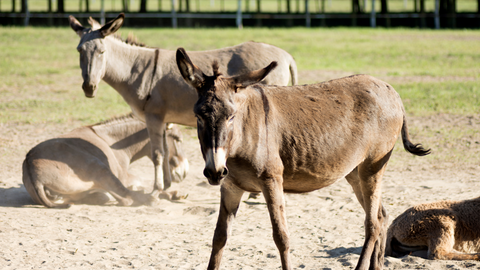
(15,197)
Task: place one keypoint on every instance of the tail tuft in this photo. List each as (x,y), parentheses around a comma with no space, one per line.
(416,149)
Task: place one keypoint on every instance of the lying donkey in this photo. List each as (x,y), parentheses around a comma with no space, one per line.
(276,139)
(95,159)
(448,230)
(149,81)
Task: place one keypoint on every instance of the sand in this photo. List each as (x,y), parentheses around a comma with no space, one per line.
(326,226)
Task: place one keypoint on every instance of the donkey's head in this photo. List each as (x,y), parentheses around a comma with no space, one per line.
(93,50)
(215,110)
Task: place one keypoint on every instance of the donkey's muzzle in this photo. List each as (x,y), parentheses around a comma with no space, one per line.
(215,177)
(89,89)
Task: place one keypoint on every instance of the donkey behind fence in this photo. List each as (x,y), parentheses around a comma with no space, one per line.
(149,81)
(84,164)
(276,139)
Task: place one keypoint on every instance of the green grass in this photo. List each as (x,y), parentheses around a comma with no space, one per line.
(434,71)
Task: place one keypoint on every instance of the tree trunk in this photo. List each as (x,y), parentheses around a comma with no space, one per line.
(356,7)
(24,6)
(143,6)
(384,7)
(448,11)
(13,5)
(61,6)
(422,14)
(125,5)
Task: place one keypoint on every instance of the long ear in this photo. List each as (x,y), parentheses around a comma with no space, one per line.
(94,23)
(191,73)
(244,80)
(112,26)
(76,25)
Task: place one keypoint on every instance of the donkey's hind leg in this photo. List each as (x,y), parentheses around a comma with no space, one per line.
(442,241)
(231,196)
(366,183)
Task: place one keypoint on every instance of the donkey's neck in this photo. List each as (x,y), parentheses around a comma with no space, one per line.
(129,69)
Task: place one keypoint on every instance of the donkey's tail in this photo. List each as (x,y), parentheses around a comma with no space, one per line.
(36,189)
(416,149)
(293,71)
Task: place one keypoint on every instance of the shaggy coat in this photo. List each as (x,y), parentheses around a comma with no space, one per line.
(448,230)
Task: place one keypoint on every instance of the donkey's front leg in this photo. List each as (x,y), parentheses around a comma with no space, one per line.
(231,196)
(157,132)
(273,191)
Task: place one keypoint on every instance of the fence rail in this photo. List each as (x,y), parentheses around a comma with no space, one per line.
(239,15)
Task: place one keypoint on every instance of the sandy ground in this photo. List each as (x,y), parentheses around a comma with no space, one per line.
(326,226)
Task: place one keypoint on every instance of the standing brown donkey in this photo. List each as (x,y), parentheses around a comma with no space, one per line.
(276,139)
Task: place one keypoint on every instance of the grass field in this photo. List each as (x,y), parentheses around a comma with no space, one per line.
(434,71)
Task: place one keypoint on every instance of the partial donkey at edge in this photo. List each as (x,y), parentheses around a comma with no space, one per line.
(149,81)
(296,139)
(446,230)
(84,164)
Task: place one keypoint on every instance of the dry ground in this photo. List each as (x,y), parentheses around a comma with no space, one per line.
(326,226)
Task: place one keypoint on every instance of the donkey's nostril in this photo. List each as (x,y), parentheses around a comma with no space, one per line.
(224,173)
(207,173)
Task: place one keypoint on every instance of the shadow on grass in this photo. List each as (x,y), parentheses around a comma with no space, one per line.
(15,197)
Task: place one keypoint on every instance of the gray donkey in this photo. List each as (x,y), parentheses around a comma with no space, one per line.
(276,139)
(149,81)
(89,161)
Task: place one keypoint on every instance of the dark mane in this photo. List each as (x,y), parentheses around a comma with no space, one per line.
(215,68)
(131,40)
(116,119)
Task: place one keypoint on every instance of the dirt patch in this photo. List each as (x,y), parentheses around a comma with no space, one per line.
(326,226)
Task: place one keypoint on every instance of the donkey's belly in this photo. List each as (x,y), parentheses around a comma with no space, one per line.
(247,178)
(304,182)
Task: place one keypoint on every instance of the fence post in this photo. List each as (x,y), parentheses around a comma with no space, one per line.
(174,15)
(239,15)
(307,15)
(102,12)
(373,19)
(27,13)
(437,14)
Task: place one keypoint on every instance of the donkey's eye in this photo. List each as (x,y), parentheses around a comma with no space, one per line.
(230,118)
(199,121)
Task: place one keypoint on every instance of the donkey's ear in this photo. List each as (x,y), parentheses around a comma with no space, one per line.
(94,23)
(76,25)
(191,73)
(112,26)
(244,80)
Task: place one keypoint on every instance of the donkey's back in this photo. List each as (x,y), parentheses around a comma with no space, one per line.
(247,56)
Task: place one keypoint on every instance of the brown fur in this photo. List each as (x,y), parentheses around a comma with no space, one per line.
(93,160)
(154,89)
(276,139)
(449,230)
